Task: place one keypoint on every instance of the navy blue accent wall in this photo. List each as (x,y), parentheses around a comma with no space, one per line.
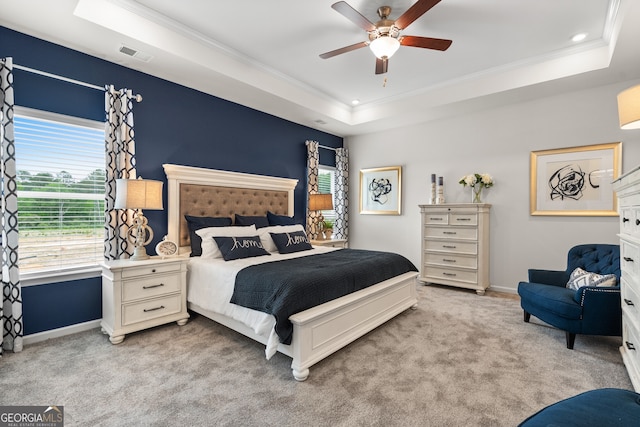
(173,124)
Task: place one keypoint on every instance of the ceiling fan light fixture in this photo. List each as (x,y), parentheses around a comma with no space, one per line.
(384,47)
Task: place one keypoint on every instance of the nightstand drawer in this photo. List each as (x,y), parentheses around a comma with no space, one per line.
(154,285)
(150,309)
(451,233)
(452,260)
(457,247)
(143,270)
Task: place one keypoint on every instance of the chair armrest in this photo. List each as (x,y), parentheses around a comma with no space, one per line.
(548,277)
(601,310)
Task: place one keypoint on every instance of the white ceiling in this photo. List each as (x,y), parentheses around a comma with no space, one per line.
(264,54)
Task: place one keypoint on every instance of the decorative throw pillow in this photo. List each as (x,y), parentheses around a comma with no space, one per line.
(210,248)
(280,219)
(198,222)
(258,221)
(240,247)
(267,240)
(294,241)
(580,278)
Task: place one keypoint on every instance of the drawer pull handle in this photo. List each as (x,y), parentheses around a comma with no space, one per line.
(448,232)
(435,219)
(449,274)
(628,259)
(448,260)
(463,219)
(625,220)
(153,286)
(630,345)
(637,221)
(153,270)
(146,310)
(448,246)
(628,302)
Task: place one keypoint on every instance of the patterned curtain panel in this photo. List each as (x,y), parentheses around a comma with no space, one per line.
(11,308)
(341,198)
(120,160)
(313,160)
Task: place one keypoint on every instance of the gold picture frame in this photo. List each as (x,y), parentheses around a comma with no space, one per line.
(381,191)
(575,181)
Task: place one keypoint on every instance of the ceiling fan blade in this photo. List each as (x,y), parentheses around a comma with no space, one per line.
(382,65)
(353,15)
(345,49)
(414,12)
(425,42)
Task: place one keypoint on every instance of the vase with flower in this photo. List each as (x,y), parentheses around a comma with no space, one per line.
(477,181)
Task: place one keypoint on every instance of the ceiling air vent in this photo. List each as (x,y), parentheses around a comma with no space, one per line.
(135,53)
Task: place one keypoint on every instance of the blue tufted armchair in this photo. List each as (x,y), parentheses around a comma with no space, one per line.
(590,310)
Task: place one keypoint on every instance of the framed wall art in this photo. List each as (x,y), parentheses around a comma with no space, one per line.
(381,190)
(575,181)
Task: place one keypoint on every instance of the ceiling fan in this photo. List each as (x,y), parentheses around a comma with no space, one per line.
(384,35)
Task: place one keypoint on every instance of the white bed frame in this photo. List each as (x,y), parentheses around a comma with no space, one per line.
(319,331)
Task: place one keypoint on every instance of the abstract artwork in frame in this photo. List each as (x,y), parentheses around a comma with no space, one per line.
(381,190)
(575,181)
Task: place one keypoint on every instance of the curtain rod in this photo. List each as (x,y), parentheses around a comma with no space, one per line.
(66,79)
(327,148)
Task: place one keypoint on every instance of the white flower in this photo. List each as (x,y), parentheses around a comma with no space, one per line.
(481,179)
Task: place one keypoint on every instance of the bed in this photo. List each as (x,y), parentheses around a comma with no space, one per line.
(318,331)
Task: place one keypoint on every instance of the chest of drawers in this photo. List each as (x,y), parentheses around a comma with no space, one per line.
(455,245)
(137,295)
(627,188)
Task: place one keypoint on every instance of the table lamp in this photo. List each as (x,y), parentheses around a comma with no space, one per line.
(139,194)
(320,202)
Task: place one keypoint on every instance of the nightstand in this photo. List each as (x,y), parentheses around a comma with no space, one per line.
(336,243)
(137,295)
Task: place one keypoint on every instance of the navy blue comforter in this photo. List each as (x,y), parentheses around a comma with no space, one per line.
(283,288)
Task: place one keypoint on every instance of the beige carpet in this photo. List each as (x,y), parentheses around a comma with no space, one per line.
(459,359)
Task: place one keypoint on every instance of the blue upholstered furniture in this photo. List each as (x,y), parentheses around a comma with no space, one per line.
(607,407)
(590,310)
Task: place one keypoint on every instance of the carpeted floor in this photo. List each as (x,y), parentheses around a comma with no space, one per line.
(459,359)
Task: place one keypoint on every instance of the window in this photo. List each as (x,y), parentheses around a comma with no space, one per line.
(326,184)
(60,176)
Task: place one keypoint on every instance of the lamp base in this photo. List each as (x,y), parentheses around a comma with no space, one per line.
(139,254)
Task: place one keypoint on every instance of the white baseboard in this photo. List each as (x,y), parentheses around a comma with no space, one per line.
(504,289)
(60,332)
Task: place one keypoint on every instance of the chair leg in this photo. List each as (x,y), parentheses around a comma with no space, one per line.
(527,316)
(571,338)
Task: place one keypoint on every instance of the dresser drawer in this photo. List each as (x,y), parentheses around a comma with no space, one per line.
(463,219)
(470,248)
(451,233)
(630,261)
(628,220)
(150,286)
(441,218)
(451,260)
(631,344)
(437,274)
(630,301)
(150,309)
(150,269)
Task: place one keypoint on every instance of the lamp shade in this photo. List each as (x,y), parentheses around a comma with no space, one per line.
(629,108)
(384,46)
(320,202)
(138,194)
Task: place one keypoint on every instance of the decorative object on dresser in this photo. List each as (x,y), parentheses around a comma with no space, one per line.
(381,190)
(455,245)
(628,191)
(440,195)
(320,202)
(137,296)
(583,299)
(476,181)
(432,198)
(575,181)
(629,108)
(139,194)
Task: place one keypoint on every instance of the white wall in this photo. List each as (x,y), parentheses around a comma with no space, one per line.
(496,141)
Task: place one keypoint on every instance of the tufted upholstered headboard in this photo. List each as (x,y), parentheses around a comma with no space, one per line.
(208,192)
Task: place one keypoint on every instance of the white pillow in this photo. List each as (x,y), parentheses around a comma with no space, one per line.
(265,237)
(210,248)
(580,278)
